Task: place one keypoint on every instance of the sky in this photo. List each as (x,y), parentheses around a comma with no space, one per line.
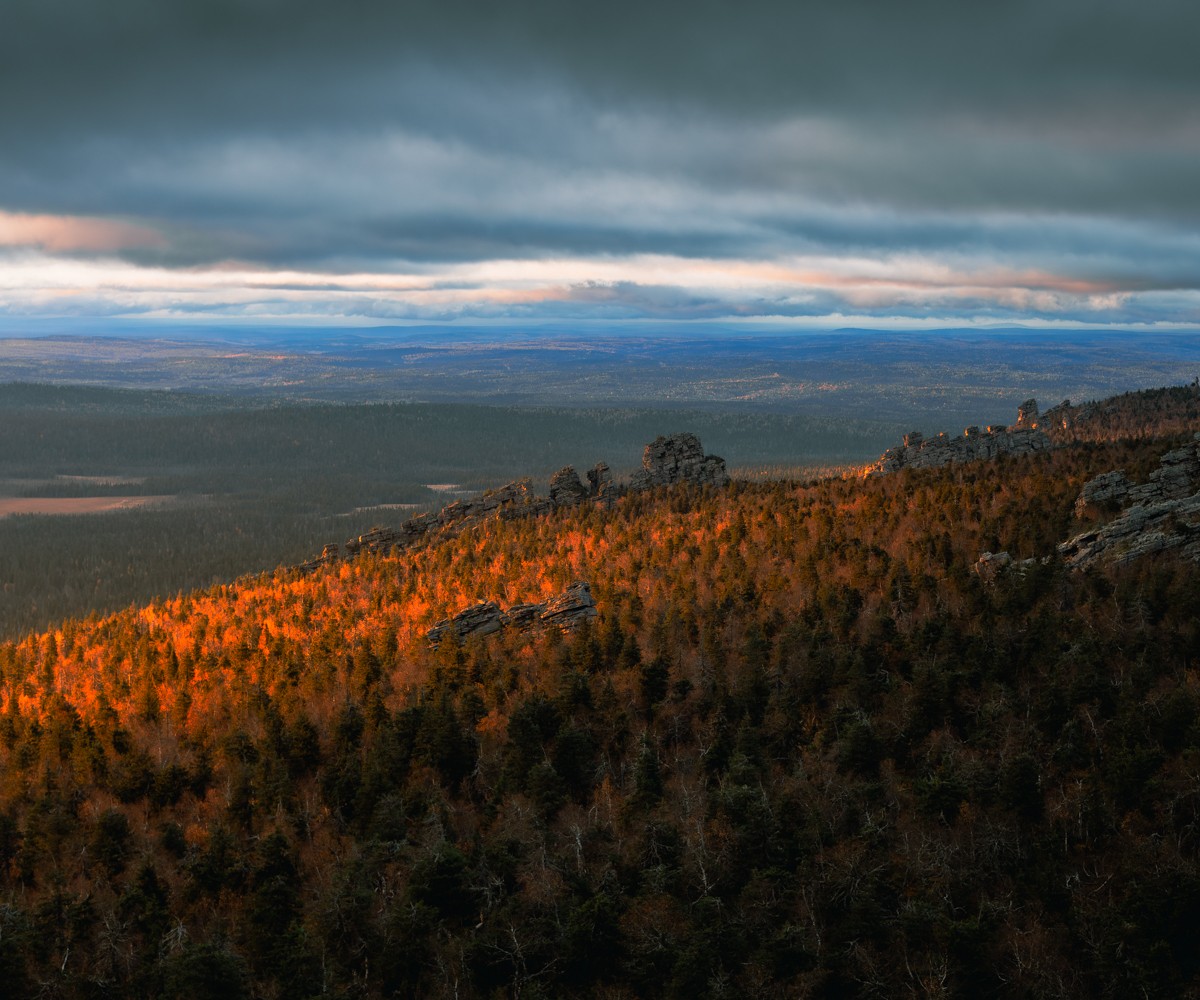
(850,162)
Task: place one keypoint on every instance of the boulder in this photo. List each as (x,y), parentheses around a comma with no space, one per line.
(990,564)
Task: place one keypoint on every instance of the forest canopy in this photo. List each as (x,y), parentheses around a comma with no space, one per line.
(805,750)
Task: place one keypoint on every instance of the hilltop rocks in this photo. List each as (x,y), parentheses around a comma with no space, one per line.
(600,484)
(667,460)
(512,500)
(1159,515)
(676,459)
(920,452)
(567,611)
(566,489)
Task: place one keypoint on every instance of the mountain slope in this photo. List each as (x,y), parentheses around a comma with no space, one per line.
(805,750)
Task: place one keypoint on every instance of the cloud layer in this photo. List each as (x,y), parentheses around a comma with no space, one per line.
(1008,162)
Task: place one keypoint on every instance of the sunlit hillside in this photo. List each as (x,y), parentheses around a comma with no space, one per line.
(805,750)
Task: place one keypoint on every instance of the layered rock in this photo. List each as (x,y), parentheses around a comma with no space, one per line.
(1162,514)
(1107,491)
(920,452)
(563,613)
(570,609)
(678,458)
(483,618)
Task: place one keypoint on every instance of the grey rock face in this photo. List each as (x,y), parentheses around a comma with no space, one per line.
(1161,514)
(991,563)
(600,484)
(570,609)
(1108,488)
(565,488)
(483,618)
(678,458)
(920,452)
(565,612)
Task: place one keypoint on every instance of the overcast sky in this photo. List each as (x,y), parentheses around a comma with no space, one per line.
(818,163)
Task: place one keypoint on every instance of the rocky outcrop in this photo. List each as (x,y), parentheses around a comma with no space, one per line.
(600,483)
(1107,492)
(565,488)
(483,618)
(1162,514)
(678,458)
(991,565)
(920,452)
(563,613)
(570,609)
(667,460)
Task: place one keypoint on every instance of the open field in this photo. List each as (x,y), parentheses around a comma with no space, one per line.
(77,505)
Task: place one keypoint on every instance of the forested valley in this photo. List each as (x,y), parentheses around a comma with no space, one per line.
(805,750)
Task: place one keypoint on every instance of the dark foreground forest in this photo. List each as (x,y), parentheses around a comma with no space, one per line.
(805,750)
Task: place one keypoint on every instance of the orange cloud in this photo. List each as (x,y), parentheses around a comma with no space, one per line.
(72,233)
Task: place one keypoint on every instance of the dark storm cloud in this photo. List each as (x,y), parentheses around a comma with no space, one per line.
(1060,136)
